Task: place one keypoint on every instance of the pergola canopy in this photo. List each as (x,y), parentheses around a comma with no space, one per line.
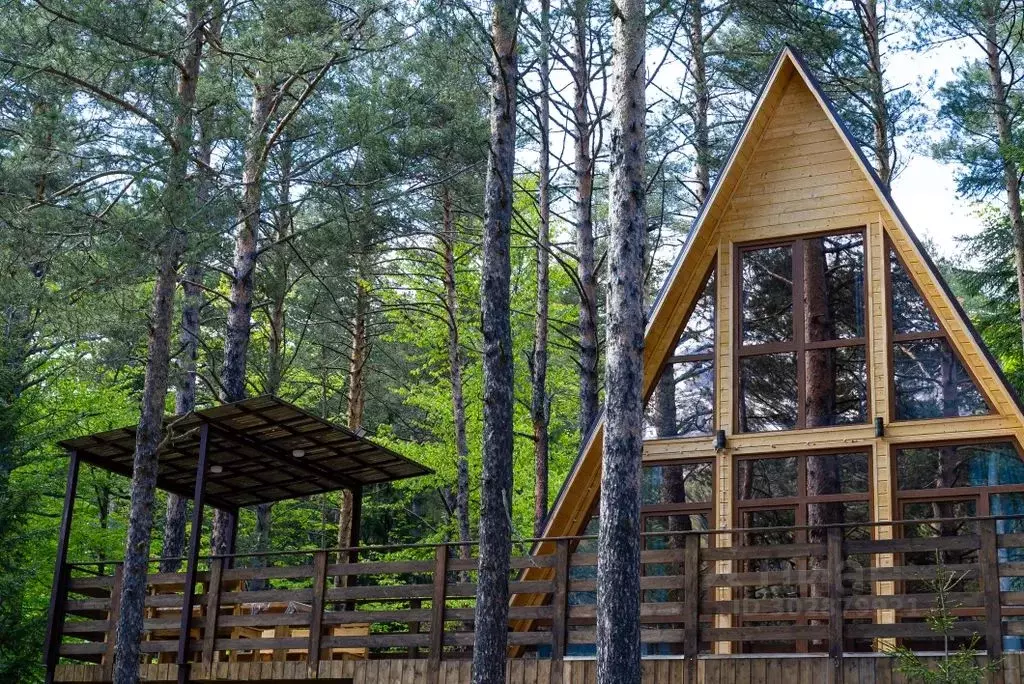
(259,450)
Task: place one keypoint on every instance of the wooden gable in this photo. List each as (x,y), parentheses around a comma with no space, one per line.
(794,170)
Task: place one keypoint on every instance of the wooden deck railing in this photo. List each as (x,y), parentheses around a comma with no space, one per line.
(833,590)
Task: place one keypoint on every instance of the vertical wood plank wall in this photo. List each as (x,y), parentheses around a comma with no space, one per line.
(878,342)
(724,419)
(735,670)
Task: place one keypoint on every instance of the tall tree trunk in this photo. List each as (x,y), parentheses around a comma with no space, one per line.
(185,386)
(154,391)
(451,296)
(357,362)
(356,379)
(618,552)
(1011,174)
(819,400)
(277,292)
(584,171)
(236,344)
(539,357)
(701,103)
(239,319)
(871,34)
(489,651)
(665,423)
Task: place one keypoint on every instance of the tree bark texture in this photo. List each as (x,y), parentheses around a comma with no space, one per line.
(701,104)
(154,392)
(185,387)
(239,319)
(1007,147)
(356,378)
(586,270)
(448,242)
(236,344)
(539,357)
(871,34)
(618,564)
(491,616)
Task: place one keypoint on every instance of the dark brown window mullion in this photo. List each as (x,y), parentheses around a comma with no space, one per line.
(799,336)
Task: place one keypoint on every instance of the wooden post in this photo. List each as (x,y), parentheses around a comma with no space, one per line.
(437,614)
(189,593)
(560,606)
(414,628)
(58,594)
(835,604)
(691,606)
(988,557)
(316,617)
(115,610)
(212,610)
(353,537)
(232,535)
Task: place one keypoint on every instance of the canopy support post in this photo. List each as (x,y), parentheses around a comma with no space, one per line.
(55,617)
(357,520)
(193,558)
(232,536)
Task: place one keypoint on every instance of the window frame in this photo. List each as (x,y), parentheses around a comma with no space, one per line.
(938,495)
(892,339)
(798,345)
(801,501)
(681,508)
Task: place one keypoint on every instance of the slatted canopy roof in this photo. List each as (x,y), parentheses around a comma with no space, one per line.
(259,450)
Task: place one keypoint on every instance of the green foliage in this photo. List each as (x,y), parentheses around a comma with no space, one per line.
(985,278)
(959,666)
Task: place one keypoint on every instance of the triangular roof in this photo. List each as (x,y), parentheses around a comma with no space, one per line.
(790,85)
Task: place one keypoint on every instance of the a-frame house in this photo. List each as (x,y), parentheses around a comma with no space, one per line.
(805,362)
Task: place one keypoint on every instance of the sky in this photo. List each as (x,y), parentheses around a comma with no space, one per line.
(926,189)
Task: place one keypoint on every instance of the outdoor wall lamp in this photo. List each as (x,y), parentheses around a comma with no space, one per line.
(720,439)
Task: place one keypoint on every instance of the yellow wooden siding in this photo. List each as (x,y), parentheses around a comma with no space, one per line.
(792,173)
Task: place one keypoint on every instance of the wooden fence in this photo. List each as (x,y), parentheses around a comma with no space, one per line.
(709,670)
(837,591)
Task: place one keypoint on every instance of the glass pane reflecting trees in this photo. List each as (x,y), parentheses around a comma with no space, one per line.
(929,380)
(683,402)
(802,344)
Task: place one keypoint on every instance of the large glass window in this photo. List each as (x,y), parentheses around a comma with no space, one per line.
(940,491)
(804,489)
(683,401)
(802,339)
(929,380)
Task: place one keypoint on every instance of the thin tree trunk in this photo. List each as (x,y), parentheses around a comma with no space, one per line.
(1011,174)
(587,269)
(489,650)
(277,292)
(236,344)
(618,553)
(184,402)
(871,33)
(819,401)
(356,381)
(154,392)
(539,357)
(185,387)
(701,104)
(357,362)
(239,319)
(448,241)
(665,423)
